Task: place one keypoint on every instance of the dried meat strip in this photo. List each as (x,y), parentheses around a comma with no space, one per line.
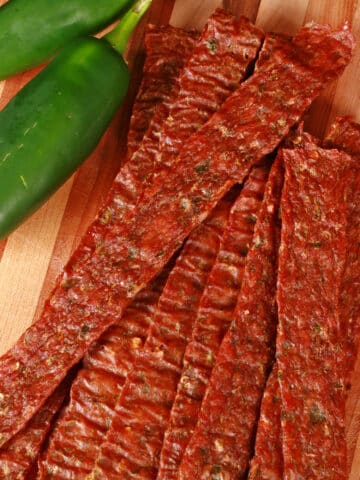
(133,443)
(82,427)
(225,53)
(95,287)
(245,40)
(167,49)
(267,463)
(345,135)
(204,85)
(312,323)
(221,444)
(213,318)
(165,58)
(20,453)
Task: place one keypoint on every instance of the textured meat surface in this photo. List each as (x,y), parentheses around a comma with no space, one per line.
(93,394)
(133,443)
(95,287)
(221,444)
(224,54)
(20,453)
(311,330)
(82,427)
(345,135)
(267,463)
(213,318)
(167,49)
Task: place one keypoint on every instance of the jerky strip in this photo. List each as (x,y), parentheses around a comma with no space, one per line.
(19,454)
(134,440)
(224,54)
(202,93)
(167,49)
(165,58)
(221,444)
(95,288)
(213,318)
(246,39)
(267,463)
(82,428)
(311,323)
(345,134)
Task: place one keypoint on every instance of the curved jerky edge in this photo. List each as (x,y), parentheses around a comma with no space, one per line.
(163,62)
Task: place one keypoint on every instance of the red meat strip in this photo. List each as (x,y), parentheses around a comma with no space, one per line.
(91,386)
(223,57)
(133,443)
(312,324)
(167,49)
(221,444)
(345,135)
(82,427)
(267,463)
(206,69)
(165,58)
(213,318)
(95,287)
(20,453)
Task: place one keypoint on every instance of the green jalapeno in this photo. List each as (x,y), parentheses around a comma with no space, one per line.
(31,31)
(50,127)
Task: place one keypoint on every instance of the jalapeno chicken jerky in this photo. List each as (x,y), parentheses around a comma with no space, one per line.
(133,443)
(267,463)
(217,85)
(316,200)
(167,49)
(222,440)
(213,318)
(82,427)
(21,452)
(95,287)
(345,135)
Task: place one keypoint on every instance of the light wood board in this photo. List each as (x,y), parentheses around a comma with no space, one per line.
(33,256)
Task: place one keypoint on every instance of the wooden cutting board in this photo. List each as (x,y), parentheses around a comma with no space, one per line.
(33,256)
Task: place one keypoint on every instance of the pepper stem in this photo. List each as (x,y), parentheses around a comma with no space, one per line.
(119,37)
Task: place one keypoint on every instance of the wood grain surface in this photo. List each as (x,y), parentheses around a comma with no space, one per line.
(33,256)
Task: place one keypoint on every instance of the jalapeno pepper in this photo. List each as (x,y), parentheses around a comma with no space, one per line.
(33,30)
(58,118)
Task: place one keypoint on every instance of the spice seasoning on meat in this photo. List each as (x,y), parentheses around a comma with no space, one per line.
(221,444)
(21,452)
(133,443)
(312,324)
(213,318)
(345,135)
(82,427)
(267,463)
(95,287)
(167,49)
(245,38)
(204,89)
